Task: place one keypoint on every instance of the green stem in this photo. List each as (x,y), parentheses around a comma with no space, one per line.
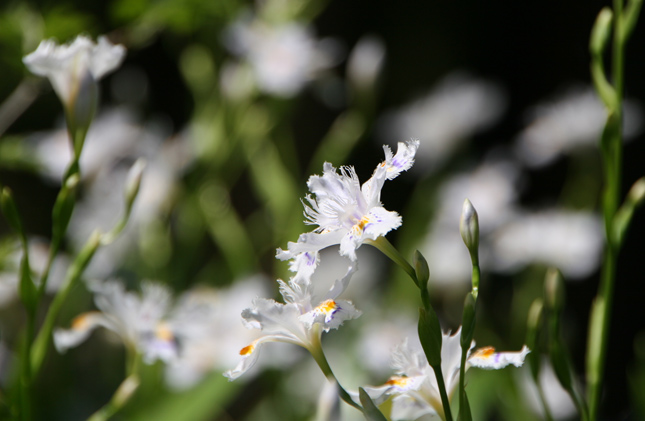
(73,275)
(319,356)
(385,247)
(612,155)
(442,391)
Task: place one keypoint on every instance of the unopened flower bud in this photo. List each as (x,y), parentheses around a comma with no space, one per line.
(554,290)
(10,210)
(601,32)
(133,181)
(469,228)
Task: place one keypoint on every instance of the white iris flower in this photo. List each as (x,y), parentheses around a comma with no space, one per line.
(299,321)
(67,66)
(414,389)
(345,212)
(143,321)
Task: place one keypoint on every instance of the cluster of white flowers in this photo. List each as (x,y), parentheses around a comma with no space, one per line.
(188,332)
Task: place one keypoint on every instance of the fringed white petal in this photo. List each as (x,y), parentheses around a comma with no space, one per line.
(82,327)
(488,359)
(403,160)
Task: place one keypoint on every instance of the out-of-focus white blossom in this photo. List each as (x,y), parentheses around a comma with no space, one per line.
(38,256)
(73,70)
(299,321)
(365,62)
(570,241)
(559,401)
(115,134)
(575,119)
(345,212)
(459,107)
(142,321)
(210,332)
(414,390)
(284,57)
(493,189)
(105,171)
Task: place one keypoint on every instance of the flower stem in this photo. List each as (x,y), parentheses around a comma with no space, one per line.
(611,148)
(319,356)
(385,247)
(442,391)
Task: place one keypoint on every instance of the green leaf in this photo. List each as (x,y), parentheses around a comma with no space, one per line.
(10,210)
(464,408)
(370,410)
(421,269)
(28,292)
(63,208)
(430,335)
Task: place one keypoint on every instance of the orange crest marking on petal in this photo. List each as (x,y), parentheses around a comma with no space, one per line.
(328,306)
(80,322)
(247,350)
(164,333)
(485,352)
(398,381)
(361,224)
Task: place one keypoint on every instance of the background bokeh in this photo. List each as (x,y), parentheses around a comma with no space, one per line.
(500,92)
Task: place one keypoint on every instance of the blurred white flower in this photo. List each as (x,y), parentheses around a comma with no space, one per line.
(210,333)
(459,107)
(38,256)
(142,321)
(299,321)
(573,120)
(492,188)
(560,404)
(570,241)
(284,57)
(414,389)
(378,335)
(73,70)
(365,62)
(106,171)
(345,212)
(66,65)
(115,134)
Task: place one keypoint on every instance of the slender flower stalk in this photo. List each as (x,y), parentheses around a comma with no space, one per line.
(624,20)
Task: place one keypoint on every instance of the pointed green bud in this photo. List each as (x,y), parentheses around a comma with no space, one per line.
(430,335)
(532,330)
(370,410)
(554,290)
(421,269)
(632,10)
(468,321)
(601,32)
(624,215)
(469,228)
(27,289)
(594,341)
(10,210)
(63,208)
(133,182)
